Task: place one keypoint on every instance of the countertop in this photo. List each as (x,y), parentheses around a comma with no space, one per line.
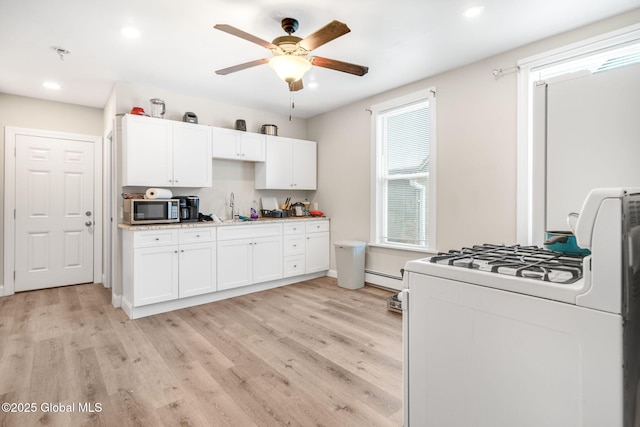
(261,220)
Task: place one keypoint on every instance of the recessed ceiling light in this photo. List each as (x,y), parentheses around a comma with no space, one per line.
(130,32)
(473,11)
(51,85)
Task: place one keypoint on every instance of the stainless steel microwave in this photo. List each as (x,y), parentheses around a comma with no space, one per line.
(151,211)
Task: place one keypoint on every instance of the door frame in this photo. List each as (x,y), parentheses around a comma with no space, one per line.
(10,134)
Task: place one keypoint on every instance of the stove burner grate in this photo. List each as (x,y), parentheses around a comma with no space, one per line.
(529,262)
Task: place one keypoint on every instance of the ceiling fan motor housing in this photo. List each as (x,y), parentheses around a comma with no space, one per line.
(289,25)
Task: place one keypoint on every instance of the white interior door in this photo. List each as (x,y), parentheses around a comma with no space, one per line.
(54,218)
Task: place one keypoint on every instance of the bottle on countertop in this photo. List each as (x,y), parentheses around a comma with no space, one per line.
(307,205)
(254,210)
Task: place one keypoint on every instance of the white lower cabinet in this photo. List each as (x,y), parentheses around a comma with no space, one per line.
(294,249)
(169,264)
(306,247)
(197,269)
(317,255)
(197,261)
(163,265)
(235,258)
(155,274)
(249,254)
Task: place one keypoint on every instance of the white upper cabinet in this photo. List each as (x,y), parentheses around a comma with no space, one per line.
(165,153)
(147,151)
(191,155)
(291,164)
(237,145)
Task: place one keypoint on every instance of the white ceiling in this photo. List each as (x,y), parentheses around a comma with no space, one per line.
(401,41)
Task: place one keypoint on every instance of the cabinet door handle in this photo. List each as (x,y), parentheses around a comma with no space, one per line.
(157,238)
(182,250)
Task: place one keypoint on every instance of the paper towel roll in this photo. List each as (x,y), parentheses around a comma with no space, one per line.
(158,193)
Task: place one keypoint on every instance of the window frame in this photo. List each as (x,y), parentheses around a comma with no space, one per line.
(378,202)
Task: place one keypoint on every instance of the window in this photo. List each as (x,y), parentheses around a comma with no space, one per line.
(403,215)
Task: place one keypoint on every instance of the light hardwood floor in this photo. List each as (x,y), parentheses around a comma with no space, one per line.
(309,354)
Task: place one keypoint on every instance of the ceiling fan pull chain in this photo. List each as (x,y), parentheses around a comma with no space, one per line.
(292,105)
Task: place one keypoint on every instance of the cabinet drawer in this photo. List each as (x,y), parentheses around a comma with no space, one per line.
(293,228)
(145,239)
(294,245)
(233,232)
(293,266)
(317,226)
(199,234)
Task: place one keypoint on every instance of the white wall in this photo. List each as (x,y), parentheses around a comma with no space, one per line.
(476,154)
(18,111)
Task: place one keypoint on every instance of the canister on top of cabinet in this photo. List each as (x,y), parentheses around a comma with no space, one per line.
(190,117)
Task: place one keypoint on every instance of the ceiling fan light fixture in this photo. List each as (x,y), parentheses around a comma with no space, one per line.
(290,68)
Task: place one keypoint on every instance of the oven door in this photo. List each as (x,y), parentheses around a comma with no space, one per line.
(478,356)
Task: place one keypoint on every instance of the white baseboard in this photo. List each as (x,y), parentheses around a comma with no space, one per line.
(116,300)
(376,280)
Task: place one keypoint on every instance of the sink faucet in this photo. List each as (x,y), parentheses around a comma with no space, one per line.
(232,204)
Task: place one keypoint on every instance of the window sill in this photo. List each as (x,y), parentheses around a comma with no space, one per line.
(402,248)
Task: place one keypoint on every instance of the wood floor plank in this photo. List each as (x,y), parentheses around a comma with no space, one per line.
(308,354)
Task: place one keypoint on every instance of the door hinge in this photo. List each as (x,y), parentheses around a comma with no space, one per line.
(14,275)
(14,214)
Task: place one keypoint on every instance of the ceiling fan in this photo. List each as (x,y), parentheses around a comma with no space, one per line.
(290,60)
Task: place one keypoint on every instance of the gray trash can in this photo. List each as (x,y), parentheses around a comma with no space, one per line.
(350,264)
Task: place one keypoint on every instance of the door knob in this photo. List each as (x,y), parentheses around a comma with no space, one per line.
(88,223)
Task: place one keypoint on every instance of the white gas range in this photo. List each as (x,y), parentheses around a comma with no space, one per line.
(522,336)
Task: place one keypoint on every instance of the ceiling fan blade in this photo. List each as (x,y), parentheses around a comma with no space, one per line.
(345,67)
(296,86)
(239,67)
(244,35)
(329,32)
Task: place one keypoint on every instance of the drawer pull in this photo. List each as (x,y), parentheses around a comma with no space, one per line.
(157,238)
